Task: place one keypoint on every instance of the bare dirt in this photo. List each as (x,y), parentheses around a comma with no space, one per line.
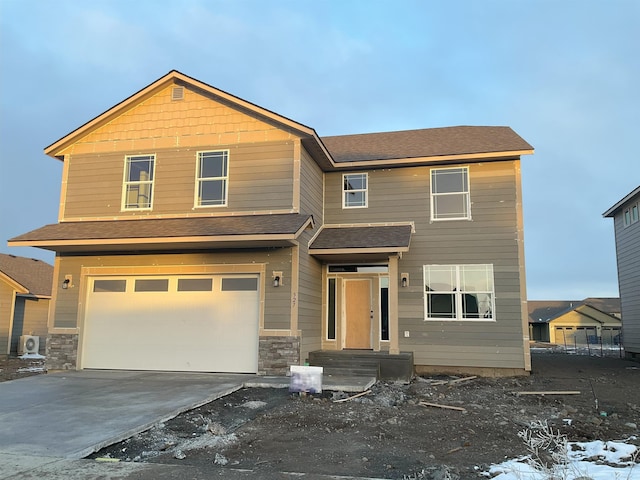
(389,433)
(13,368)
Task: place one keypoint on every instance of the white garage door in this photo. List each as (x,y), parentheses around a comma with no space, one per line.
(205,323)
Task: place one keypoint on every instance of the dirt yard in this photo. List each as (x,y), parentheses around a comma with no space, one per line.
(389,432)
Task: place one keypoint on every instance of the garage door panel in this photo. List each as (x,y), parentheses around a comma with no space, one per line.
(173,330)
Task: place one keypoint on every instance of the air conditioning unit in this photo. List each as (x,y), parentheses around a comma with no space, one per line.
(28,344)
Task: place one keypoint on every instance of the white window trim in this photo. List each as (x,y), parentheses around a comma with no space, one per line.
(433,195)
(196,202)
(365,190)
(126,183)
(458,295)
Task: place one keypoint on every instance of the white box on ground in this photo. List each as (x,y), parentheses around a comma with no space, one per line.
(306,379)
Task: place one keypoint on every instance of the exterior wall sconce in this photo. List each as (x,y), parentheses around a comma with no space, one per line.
(67,282)
(404,280)
(277,279)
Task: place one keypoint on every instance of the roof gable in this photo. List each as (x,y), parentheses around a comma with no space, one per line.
(138,110)
(34,276)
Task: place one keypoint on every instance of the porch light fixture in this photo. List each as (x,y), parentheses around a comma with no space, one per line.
(66,283)
(277,279)
(404,280)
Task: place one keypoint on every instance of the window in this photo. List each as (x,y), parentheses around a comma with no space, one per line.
(450,194)
(112,286)
(239,284)
(195,284)
(138,182)
(384,308)
(631,215)
(152,285)
(354,190)
(459,292)
(212,177)
(331,309)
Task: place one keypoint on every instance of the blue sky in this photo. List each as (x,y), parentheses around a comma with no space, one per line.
(563,74)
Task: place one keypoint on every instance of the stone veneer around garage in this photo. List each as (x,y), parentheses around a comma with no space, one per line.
(62,352)
(276,354)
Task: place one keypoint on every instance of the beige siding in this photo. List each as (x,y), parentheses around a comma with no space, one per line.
(490,237)
(310,285)
(160,123)
(277,309)
(260,179)
(30,318)
(6,310)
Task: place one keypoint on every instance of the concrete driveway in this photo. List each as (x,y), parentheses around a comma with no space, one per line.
(72,414)
(48,423)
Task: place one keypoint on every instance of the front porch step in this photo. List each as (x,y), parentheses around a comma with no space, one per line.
(382,365)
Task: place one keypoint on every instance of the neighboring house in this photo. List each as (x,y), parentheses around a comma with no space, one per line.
(570,322)
(626,223)
(25,292)
(200,232)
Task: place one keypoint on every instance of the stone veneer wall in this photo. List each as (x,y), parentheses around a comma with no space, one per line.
(62,352)
(276,354)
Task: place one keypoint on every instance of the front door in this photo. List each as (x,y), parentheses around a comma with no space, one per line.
(357,301)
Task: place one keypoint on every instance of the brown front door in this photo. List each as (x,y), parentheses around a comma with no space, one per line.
(357,300)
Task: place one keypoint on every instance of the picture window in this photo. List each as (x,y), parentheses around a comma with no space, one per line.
(459,292)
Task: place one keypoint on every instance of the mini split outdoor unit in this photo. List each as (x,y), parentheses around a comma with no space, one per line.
(28,344)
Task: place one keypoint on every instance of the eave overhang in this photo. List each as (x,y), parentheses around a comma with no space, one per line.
(261,231)
(612,211)
(431,160)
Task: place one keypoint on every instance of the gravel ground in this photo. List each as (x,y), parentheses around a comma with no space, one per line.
(391,432)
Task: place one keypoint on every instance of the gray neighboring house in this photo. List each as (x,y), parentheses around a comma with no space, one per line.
(626,222)
(25,293)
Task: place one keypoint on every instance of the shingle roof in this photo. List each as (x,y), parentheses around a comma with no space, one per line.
(168,228)
(34,275)
(428,142)
(542,311)
(396,236)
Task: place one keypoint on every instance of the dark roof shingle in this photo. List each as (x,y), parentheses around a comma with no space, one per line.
(168,228)
(396,236)
(429,142)
(34,275)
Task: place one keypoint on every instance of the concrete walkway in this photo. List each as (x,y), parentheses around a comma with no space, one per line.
(47,418)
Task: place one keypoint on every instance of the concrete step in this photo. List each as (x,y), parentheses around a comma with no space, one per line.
(382,365)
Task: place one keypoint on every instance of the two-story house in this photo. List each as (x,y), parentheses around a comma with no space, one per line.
(626,224)
(200,232)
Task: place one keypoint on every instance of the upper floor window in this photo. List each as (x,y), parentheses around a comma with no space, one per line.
(354,190)
(459,292)
(631,215)
(212,177)
(137,192)
(450,198)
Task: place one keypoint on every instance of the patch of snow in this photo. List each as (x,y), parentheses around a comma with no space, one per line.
(585,462)
(254,405)
(610,452)
(32,356)
(30,369)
